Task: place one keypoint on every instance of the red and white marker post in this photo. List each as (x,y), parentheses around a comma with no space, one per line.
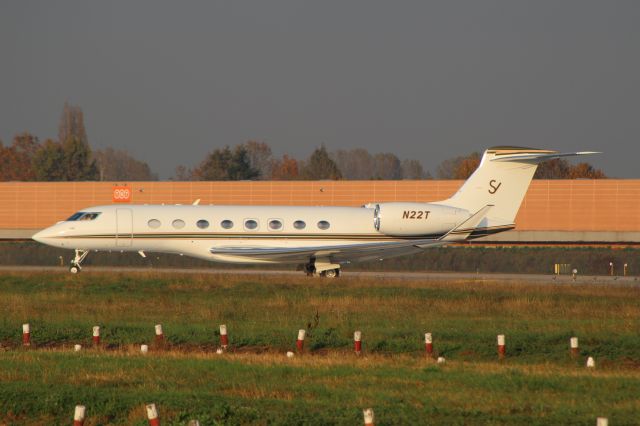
(573,344)
(152,415)
(428,344)
(78,415)
(224,339)
(357,342)
(368,417)
(26,335)
(159,334)
(300,341)
(96,335)
(502,351)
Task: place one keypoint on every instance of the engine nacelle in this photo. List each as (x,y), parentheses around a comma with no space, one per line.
(417,219)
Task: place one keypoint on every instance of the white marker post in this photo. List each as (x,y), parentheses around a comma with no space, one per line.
(159,333)
(357,342)
(144,349)
(96,335)
(441,360)
(224,339)
(78,415)
(428,344)
(77,348)
(502,351)
(591,363)
(152,415)
(26,335)
(573,344)
(368,417)
(602,421)
(300,341)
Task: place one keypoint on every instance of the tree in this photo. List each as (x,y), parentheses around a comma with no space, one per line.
(412,169)
(386,166)
(48,162)
(78,161)
(259,155)
(585,171)
(224,164)
(467,166)
(16,161)
(72,124)
(557,168)
(114,164)
(320,166)
(284,169)
(458,167)
(354,164)
(182,173)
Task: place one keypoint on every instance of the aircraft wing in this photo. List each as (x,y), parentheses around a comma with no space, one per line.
(337,253)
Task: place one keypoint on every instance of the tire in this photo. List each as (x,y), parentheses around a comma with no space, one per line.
(331,273)
(74,269)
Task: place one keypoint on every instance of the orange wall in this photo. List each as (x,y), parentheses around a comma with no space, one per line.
(568,205)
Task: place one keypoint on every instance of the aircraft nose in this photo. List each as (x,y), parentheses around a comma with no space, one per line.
(41,236)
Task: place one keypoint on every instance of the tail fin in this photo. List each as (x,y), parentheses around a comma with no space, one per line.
(502,179)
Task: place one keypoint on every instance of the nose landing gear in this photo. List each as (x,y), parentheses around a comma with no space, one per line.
(75,267)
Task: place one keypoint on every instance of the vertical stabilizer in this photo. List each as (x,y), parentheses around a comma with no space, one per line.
(502,180)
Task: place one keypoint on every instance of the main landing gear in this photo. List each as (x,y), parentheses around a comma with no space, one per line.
(75,267)
(322,269)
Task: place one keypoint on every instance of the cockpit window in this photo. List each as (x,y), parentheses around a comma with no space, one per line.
(83,216)
(75,216)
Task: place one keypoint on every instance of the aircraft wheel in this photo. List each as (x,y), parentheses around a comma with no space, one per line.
(74,269)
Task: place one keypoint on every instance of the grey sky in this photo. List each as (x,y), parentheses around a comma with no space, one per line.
(170,81)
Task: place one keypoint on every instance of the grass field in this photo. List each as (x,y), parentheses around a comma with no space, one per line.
(254,382)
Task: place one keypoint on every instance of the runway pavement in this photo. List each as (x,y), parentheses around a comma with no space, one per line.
(414,276)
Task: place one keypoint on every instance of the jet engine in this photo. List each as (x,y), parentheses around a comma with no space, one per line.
(416,219)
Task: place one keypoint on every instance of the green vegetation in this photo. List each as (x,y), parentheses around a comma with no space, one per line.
(538,383)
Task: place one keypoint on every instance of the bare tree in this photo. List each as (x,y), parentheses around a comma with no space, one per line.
(412,169)
(354,163)
(182,173)
(71,124)
(386,166)
(116,164)
(260,157)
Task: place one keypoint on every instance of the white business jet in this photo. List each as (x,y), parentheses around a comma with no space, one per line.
(321,239)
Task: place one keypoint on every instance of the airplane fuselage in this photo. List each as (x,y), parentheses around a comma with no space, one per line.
(199,231)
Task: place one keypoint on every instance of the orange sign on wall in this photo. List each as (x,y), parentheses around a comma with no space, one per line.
(121,194)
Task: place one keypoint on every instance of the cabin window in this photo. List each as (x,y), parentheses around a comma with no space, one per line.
(226,224)
(178,223)
(275,225)
(250,224)
(202,224)
(299,224)
(154,223)
(83,216)
(323,224)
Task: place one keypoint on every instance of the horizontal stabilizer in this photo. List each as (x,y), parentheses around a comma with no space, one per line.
(462,231)
(537,158)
